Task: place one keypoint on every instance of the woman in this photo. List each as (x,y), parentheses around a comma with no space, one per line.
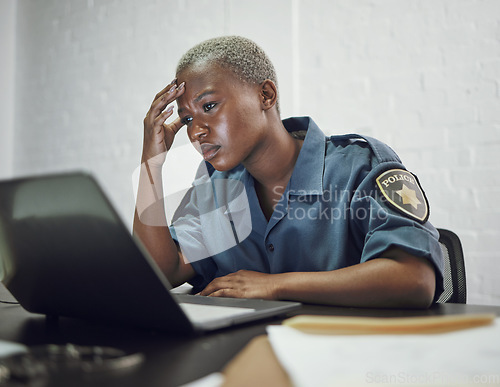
(332,220)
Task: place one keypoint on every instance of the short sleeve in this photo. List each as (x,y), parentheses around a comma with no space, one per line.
(212,218)
(205,269)
(380,225)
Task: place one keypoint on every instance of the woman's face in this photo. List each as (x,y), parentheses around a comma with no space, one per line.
(223,115)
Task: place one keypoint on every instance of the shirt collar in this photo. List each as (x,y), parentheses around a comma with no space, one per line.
(307,175)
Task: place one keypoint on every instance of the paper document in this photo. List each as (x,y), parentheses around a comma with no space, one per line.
(212,380)
(460,358)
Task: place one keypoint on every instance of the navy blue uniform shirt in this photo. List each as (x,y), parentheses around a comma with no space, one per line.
(331,215)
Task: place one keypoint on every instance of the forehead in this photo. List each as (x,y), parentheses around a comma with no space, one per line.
(206,77)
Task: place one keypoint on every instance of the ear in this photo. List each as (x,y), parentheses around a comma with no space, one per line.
(268,94)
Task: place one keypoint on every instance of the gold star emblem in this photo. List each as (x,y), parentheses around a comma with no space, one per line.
(409,197)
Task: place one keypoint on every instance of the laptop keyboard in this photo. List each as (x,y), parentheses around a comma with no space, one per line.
(203,313)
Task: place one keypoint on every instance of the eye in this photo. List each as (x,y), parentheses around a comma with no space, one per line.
(186,120)
(208,106)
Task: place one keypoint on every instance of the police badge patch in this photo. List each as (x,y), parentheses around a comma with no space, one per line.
(403,192)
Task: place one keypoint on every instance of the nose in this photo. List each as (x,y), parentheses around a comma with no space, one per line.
(197,131)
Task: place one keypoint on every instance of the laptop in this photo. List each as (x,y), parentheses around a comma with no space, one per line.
(64,251)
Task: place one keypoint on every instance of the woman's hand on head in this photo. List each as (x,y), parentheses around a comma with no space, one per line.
(158,135)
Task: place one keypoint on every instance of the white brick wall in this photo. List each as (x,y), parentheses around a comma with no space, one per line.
(422,75)
(7,55)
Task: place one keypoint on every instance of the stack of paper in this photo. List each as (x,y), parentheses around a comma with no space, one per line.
(457,358)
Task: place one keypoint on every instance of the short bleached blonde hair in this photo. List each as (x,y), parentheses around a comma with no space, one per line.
(242,56)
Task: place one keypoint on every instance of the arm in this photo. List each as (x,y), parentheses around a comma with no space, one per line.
(151,227)
(150,224)
(397,279)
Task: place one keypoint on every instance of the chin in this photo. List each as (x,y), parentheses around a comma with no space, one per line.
(222,166)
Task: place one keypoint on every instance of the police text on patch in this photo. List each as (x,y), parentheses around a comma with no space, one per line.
(397,177)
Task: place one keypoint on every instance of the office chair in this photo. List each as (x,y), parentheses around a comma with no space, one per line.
(455,289)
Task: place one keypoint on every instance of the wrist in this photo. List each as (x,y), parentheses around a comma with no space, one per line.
(151,173)
(280,285)
(151,166)
(155,161)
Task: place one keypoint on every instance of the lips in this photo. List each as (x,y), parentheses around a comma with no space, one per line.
(209,151)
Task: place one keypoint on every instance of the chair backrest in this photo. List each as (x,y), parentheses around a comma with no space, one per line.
(455,289)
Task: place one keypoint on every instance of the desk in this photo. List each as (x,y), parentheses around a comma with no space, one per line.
(171,360)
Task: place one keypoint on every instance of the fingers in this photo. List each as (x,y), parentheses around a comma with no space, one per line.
(216,286)
(174,81)
(160,120)
(168,95)
(225,293)
(163,100)
(159,136)
(175,125)
(209,289)
(243,283)
(228,284)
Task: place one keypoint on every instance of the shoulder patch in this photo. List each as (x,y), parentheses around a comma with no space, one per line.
(404,193)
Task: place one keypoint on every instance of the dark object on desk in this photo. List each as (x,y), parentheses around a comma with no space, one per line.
(35,366)
(66,252)
(455,289)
